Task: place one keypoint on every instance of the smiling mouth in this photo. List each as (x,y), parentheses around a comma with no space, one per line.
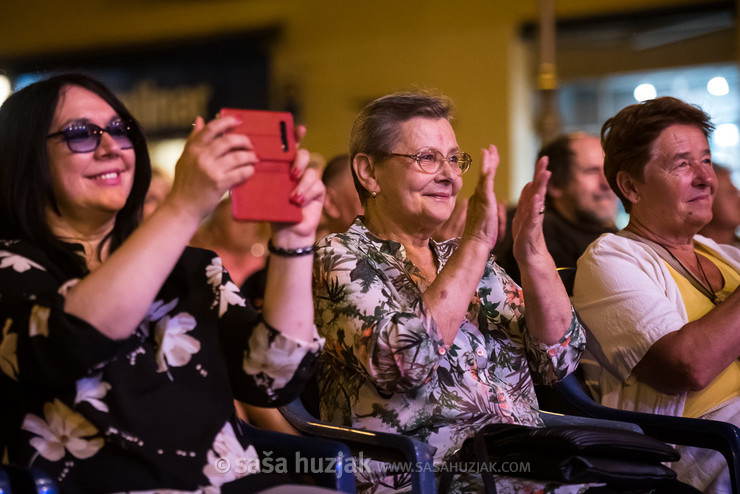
(700,198)
(106,175)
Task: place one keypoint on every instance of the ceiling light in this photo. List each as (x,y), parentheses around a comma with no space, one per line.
(644,92)
(727,135)
(718,86)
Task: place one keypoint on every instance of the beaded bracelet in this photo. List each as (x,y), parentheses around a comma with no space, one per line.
(279,251)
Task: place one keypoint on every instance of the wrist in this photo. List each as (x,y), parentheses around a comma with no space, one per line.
(290,251)
(183,217)
(536,266)
(183,208)
(476,244)
(286,239)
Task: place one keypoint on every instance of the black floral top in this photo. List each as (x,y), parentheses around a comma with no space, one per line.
(154,411)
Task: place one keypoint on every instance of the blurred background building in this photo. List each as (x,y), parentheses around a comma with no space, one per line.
(516,70)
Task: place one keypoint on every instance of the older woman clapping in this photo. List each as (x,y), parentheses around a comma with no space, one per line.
(429,339)
(660,299)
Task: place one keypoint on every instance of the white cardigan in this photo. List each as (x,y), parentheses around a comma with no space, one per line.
(628,299)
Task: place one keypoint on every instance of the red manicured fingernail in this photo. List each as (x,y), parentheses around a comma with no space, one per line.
(298,199)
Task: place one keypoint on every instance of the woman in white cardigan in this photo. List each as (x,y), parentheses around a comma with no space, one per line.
(659,299)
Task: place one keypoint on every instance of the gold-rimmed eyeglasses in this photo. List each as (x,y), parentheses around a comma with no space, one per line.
(431,160)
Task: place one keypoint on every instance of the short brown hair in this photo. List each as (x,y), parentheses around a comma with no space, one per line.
(375,130)
(628,136)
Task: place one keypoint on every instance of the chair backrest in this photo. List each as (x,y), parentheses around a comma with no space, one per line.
(310,397)
(568,277)
(711,434)
(376,445)
(574,391)
(23,480)
(326,462)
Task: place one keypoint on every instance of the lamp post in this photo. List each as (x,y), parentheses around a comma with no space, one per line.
(548,119)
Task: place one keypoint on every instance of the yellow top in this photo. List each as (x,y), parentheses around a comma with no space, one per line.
(727,384)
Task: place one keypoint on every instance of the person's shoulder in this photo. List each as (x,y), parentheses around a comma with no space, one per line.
(18,245)
(603,242)
(727,251)
(197,254)
(707,241)
(606,245)
(196,260)
(354,235)
(27,271)
(607,242)
(21,256)
(14,245)
(612,248)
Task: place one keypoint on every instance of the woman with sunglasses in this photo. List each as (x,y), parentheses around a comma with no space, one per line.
(424,338)
(121,349)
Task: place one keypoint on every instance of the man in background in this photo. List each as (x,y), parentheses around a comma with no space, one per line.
(341,203)
(579,205)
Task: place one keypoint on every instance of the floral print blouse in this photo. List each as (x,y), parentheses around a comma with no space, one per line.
(154,411)
(385,365)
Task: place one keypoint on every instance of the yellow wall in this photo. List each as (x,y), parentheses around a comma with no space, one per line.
(340,54)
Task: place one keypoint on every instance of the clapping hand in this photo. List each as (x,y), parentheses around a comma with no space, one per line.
(483,213)
(526,228)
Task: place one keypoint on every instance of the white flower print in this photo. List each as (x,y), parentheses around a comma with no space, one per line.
(19,263)
(215,272)
(156,311)
(9,352)
(62,429)
(226,447)
(92,390)
(277,359)
(227,294)
(38,323)
(159,309)
(230,295)
(175,347)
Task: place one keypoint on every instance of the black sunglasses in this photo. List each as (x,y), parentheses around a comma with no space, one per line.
(84,137)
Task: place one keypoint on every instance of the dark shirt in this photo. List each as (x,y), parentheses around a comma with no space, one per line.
(153,411)
(565,241)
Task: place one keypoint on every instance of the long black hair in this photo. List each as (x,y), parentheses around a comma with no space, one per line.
(25,178)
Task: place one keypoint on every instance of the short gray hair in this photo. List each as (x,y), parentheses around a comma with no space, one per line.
(376,128)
